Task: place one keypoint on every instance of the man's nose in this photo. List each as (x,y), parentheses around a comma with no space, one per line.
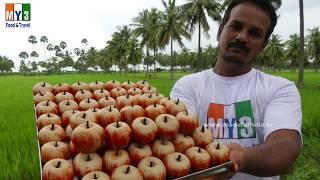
(242,36)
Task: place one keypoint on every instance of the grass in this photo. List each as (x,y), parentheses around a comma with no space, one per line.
(18,147)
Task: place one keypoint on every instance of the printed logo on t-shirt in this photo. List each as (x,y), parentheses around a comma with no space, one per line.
(234,121)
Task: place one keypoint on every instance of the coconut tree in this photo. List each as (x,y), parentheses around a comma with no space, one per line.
(134,53)
(196,12)
(172,28)
(50,48)
(44,40)
(292,50)
(313,46)
(301,47)
(33,40)
(144,29)
(63,45)
(275,52)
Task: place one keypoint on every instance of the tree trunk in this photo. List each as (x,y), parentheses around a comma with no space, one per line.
(154,62)
(200,65)
(301,51)
(171,62)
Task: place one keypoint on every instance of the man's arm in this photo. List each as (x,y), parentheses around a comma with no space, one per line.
(272,158)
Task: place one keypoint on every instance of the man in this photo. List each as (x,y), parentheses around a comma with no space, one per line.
(256,114)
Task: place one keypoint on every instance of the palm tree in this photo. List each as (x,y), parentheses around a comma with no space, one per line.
(301,48)
(314,46)
(33,40)
(23,55)
(172,28)
(147,25)
(292,51)
(195,13)
(134,53)
(50,48)
(44,39)
(63,45)
(275,52)
(118,45)
(84,41)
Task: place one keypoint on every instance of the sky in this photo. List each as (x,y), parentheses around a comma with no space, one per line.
(96,20)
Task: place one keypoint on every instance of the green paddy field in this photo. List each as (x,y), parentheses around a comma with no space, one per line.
(18,145)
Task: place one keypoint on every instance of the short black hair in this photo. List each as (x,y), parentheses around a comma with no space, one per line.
(269,6)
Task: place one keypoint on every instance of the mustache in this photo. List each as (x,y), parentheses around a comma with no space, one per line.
(239,45)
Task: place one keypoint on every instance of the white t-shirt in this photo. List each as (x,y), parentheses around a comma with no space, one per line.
(244,109)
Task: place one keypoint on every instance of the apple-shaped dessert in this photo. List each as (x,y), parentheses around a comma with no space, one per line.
(115,158)
(43,96)
(155,110)
(68,133)
(87,137)
(138,151)
(116,92)
(188,122)
(168,126)
(130,113)
(66,105)
(73,150)
(202,136)
(219,153)
(199,158)
(164,100)
(96,175)
(66,116)
(61,87)
(146,100)
(95,112)
(51,132)
(82,117)
(127,100)
(88,104)
(42,86)
(128,84)
(85,163)
(47,119)
(152,168)
(78,86)
(100,93)
(64,96)
(126,172)
(108,115)
(182,142)
(141,84)
(57,169)
(134,91)
(53,150)
(106,101)
(45,107)
(177,165)
(144,130)
(161,148)
(111,85)
(149,90)
(118,135)
(82,94)
(174,107)
(96,85)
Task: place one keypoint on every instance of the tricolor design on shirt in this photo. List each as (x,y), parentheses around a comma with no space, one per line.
(234,121)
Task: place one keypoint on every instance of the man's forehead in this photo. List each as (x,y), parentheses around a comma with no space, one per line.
(252,14)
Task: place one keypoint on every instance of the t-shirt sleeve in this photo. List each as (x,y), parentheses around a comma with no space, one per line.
(183,90)
(284,110)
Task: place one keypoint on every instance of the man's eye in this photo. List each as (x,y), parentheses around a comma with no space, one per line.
(234,27)
(255,34)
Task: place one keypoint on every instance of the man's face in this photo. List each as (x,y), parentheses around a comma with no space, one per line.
(243,36)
